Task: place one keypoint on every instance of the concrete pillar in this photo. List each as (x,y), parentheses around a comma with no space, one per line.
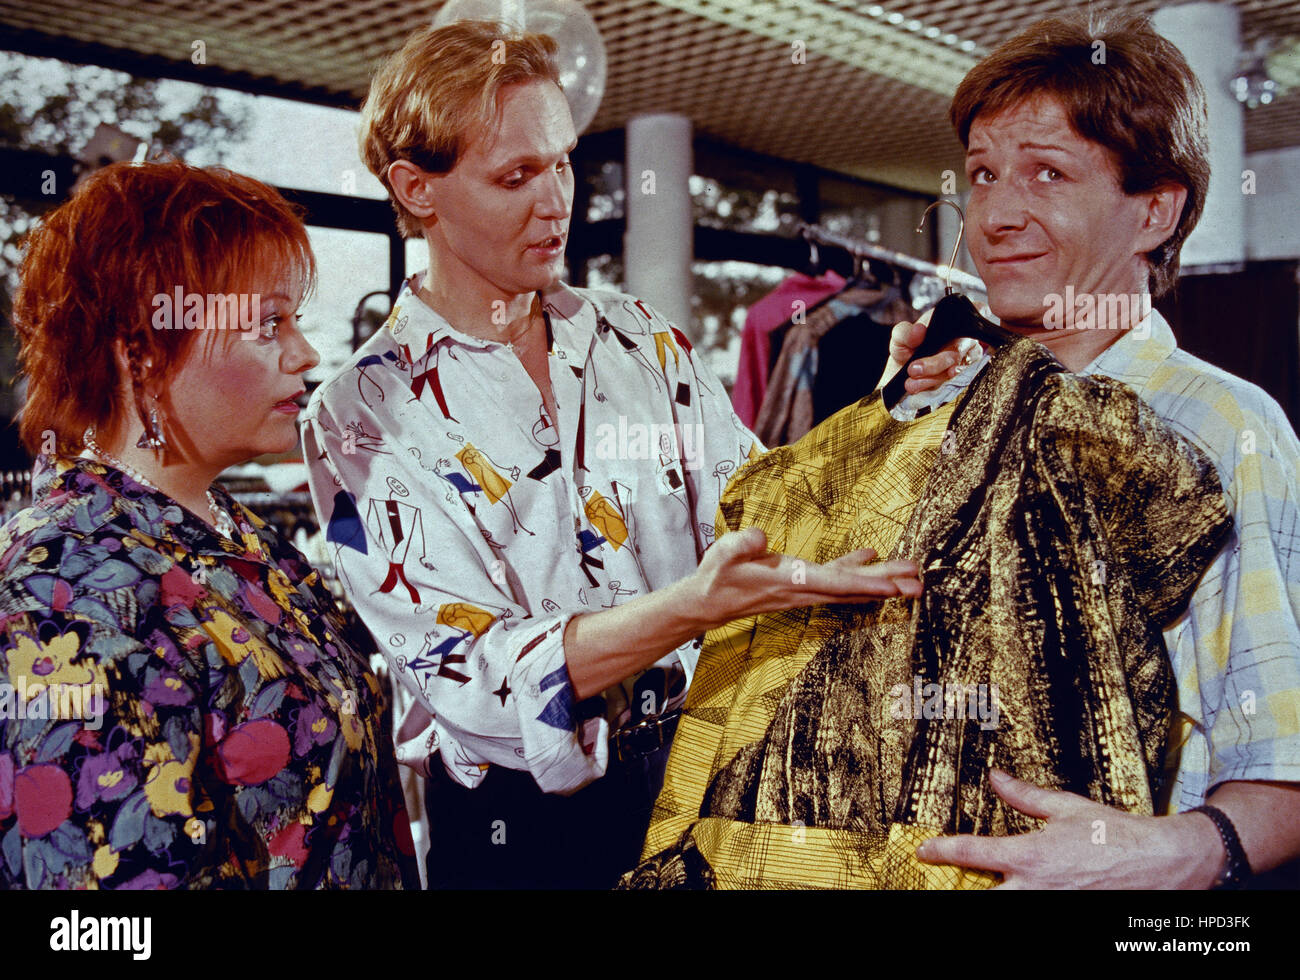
(658,246)
(1209,36)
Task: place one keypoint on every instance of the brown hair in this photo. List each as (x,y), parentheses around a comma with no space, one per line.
(92,267)
(441,86)
(1142,103)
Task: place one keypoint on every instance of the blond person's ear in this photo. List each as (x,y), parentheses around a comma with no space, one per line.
(413,187)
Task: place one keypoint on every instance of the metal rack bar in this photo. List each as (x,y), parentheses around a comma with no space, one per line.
(956,277)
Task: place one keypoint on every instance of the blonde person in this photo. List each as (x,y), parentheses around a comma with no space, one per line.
(501,393)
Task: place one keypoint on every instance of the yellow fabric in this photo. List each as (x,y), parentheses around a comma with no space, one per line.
(815,500)
(765,855)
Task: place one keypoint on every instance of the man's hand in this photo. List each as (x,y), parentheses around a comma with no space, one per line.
(1086,845)
(738,577)
(928,372)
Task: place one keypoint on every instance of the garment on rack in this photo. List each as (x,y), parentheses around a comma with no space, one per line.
(1058,523)
(850,359)
(790,404)
(763,317)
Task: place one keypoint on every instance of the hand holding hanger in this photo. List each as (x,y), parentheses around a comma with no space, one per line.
(926,373)
(960,325)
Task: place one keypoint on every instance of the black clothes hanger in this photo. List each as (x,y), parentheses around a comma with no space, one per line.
(954,316)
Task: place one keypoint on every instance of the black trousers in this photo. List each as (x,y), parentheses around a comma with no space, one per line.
(507,833)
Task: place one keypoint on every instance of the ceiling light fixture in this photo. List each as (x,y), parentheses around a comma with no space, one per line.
(1251,85)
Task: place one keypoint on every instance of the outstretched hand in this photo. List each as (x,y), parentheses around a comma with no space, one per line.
(740,577)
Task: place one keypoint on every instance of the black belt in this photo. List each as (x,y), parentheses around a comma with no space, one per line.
(645,737)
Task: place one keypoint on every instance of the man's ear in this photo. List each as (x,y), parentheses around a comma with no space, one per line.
(1164,209)
(413,188)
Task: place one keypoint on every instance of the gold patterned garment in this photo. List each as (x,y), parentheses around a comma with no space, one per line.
(1058,524)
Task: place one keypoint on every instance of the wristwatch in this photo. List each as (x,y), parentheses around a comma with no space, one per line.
(1237,868)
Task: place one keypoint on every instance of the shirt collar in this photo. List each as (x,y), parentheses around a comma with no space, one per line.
(1132,359)
(414,324)
(149,511)
(1137,354)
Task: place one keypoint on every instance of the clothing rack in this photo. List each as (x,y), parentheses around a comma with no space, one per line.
(286,512)
(858,249)
(256,500)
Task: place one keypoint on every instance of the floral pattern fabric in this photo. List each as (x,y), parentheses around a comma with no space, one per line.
(180,710)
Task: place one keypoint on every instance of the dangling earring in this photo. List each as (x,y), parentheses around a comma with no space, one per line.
(152,437)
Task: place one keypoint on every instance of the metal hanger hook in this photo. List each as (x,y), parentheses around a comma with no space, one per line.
(961,233)
(814,258)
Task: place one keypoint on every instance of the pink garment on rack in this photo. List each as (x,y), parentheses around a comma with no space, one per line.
(765,316)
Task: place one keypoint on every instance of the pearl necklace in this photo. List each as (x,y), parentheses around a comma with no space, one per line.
(221,519)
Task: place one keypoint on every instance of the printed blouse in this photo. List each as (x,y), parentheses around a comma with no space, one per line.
(180,710)
(469,527)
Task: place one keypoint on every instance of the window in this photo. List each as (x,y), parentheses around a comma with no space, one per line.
(724,292)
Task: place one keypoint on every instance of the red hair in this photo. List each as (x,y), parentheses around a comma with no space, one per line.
(91,268)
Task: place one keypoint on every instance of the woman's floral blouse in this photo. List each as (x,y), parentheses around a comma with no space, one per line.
(181,711)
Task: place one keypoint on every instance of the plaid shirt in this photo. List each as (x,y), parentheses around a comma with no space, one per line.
(1236,651)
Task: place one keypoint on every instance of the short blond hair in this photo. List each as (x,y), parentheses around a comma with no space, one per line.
(440,87)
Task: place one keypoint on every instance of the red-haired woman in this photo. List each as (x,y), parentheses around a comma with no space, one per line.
(183,706)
